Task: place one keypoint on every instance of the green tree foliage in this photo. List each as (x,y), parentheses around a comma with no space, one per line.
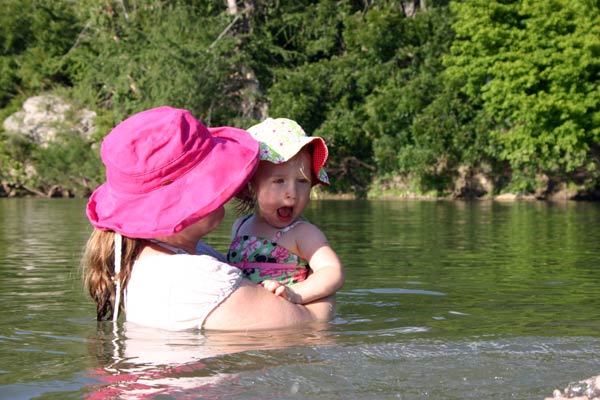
(35,36)
(533,66)
(364,91)
(429,91)
(54,165)
(15,155)
(157,53)
(409,114)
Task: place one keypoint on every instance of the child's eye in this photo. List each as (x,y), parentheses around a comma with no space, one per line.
(278,180)
(303,180)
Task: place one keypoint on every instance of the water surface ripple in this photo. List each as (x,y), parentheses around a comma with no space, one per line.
(443,300)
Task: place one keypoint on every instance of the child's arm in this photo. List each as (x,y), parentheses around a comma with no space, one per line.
(327,271)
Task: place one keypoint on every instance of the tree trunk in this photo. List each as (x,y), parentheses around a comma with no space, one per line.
(251,95)
(232,7)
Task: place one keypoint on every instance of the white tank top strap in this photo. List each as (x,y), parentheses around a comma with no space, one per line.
(166,246)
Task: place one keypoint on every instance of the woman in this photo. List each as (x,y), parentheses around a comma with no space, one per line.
(167,179)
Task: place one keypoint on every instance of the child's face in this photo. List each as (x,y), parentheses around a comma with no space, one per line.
(283,190)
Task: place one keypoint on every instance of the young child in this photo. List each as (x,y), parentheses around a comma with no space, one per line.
(275,246)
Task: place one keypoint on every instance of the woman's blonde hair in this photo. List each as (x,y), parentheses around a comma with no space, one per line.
(98,266)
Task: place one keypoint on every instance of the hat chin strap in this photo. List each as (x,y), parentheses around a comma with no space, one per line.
(116,277)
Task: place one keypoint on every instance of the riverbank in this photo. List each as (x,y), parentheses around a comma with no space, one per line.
(507,197)
(321,195)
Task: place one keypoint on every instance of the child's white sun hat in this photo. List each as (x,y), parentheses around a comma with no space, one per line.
(281,139)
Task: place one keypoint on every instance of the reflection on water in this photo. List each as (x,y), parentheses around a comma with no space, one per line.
(138,361)
(443,300)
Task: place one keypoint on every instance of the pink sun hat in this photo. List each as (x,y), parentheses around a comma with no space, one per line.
(165,171)
(281,139)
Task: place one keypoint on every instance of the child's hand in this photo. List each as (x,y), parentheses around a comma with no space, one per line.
(278,289)
(271,285)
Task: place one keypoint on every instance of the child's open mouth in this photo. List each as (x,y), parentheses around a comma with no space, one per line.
(285,213)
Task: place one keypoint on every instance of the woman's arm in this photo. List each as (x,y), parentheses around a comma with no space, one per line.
(252,307)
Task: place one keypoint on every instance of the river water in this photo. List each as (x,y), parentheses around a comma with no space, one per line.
(443,300)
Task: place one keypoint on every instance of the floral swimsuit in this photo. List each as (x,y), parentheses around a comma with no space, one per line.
(261,258)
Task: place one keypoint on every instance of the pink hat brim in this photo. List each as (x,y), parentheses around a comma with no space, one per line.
(319,157)
(171,208)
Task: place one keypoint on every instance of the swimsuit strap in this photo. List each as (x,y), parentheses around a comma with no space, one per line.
(277,234)
(246,218)
(286,229)
(166,246)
